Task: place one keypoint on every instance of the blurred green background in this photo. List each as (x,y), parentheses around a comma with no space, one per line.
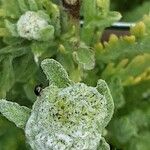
(131,10)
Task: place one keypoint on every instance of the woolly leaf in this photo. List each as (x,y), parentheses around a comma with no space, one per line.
(103,145)
(15,113)
(55,73)
(103,88)
(85,58)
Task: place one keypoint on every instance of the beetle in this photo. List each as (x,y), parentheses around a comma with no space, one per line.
(38,89)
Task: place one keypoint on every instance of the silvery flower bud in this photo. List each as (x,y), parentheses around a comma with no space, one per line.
(33,27)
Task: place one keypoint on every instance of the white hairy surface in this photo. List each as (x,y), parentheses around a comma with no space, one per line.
(30,24)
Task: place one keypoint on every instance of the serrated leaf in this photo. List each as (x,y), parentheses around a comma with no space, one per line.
(55,73)
(15,113)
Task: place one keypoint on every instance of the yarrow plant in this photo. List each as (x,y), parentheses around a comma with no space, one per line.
(66,115)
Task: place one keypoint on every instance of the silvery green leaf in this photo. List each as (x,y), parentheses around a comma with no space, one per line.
(104,90)
(85,58)
(55,73)
(14,112)
(103,145)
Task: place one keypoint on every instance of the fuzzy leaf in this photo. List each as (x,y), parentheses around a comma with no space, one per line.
(55,73)
(104,90)
(103,145)
(15,113)
(85,58)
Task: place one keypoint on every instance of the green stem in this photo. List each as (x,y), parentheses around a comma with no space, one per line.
(89,12)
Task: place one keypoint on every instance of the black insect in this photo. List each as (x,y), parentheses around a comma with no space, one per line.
(38,89)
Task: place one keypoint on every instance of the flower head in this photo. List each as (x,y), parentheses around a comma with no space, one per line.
(32,26)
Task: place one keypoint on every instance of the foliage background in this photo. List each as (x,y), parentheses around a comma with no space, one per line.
(124,63)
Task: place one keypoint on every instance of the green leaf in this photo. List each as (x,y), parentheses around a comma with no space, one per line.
(102,22)
(6,75)
(33,5)
(123,130)
(14,50)
(104,90)
(10,8)
(11,137)
(103,145)
(15,113)
(140,142)
(117,91)
(24,67)
(127,46)
(85,58)
(12,28)
(96,17)
(128,71)
(55,73)
(47,33)
(23,6)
